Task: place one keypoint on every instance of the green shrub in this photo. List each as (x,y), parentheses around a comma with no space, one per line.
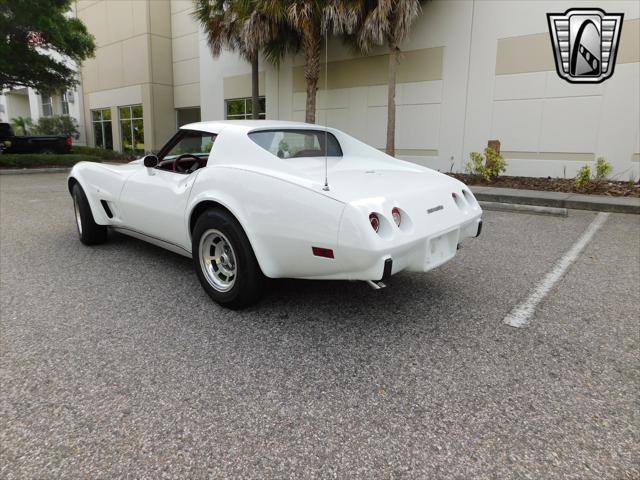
(476,165)
(488,166)
(99,152)
(583,178)
(22,125)
(57,125)
(603,169)
(34,160)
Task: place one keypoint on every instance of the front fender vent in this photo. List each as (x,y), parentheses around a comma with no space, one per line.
(107,210)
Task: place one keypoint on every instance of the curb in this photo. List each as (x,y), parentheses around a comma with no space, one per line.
(598,203)
(26,171)
(522,208)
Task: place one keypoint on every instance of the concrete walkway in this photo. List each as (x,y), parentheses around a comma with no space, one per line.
(601,203)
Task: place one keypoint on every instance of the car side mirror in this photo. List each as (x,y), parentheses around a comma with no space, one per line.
(150,161)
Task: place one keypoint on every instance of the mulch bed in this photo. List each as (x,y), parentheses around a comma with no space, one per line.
(609,188)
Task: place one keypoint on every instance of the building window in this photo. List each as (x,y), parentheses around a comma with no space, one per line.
(241,108)
(102,133)
(47,107)
(187,115)
(66,99)
(132,128)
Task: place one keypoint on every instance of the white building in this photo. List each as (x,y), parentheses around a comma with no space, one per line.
(26,102)
(472,71)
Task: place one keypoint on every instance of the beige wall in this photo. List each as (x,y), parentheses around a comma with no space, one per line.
(466,76)
(17,105)
(186,55)
(132,64)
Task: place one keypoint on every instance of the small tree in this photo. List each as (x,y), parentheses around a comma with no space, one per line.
(29,32)
(21,125)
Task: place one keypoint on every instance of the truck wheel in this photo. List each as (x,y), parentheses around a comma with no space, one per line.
(89,231)
(224,260)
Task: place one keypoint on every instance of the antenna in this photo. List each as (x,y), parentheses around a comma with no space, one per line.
(326,109)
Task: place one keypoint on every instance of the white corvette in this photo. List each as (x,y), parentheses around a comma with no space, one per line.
(249,199)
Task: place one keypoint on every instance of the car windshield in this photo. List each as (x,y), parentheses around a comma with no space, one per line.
(192,142)
(297,143)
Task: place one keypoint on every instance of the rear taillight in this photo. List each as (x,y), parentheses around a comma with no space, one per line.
(395,213)
(69,141)
(458,200)
(375,222)
(322,252)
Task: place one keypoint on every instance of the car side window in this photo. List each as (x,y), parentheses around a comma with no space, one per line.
(297,143)
(193,143)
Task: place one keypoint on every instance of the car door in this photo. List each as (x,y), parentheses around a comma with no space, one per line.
(153,202)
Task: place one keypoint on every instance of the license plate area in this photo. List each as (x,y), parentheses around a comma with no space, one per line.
(442,248)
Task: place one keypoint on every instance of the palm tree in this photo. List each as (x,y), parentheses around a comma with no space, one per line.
(237,25)
(387,22)
(22,123)
(311,20)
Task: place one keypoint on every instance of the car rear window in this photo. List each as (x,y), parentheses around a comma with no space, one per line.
(296,143)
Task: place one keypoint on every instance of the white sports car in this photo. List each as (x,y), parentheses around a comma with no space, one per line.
(249,199)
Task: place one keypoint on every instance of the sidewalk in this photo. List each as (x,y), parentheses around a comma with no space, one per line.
(600,203)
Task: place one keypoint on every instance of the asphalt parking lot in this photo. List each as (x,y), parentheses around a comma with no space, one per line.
(115,363)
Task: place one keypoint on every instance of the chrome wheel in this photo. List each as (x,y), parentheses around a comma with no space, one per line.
(217,260)
(76,209)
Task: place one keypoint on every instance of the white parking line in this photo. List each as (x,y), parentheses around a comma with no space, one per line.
(520,316)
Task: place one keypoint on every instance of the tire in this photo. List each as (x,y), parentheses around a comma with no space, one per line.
(89,231)
(224,260)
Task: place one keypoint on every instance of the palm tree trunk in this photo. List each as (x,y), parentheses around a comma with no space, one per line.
(311,73)
(394,57)
(255,88)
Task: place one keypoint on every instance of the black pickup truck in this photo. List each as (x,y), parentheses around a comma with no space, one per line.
(10,143)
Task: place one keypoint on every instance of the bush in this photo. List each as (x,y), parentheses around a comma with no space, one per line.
(34,160)
(488,166)
(583,178)
(603,169)
(102,153)
(57,125)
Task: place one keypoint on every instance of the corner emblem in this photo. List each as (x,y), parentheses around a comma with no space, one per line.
(585,43)
(435,209)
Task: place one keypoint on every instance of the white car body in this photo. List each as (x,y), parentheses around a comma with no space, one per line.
(285,209)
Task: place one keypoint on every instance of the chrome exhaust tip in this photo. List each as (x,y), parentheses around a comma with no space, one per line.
(375,285)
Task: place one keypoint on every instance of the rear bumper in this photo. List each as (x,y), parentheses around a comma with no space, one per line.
(415,255)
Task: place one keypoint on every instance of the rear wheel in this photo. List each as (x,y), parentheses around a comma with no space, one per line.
(89,231)
(224,260)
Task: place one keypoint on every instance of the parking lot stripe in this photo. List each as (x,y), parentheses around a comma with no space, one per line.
(521,315)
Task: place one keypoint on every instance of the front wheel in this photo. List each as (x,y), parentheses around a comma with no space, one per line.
(224,260)
(89,231)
